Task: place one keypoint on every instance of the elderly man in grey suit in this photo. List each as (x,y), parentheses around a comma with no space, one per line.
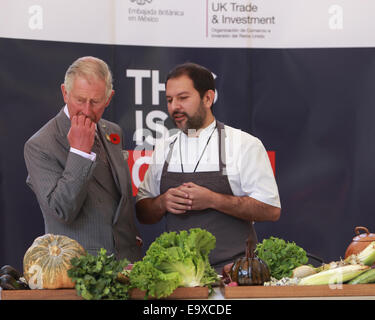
(78,170)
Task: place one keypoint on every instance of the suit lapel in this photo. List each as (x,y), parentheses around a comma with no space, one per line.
(113,153)
(63,126)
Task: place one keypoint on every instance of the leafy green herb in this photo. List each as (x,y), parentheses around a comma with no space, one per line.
(281,256)
(96,277)
(175,260)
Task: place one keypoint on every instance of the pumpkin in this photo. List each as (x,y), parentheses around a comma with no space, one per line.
(46,262)
(249,270)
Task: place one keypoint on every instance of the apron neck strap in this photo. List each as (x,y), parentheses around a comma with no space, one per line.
(222,152)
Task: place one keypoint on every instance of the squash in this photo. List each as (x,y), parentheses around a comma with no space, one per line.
(46,262)
(249,270)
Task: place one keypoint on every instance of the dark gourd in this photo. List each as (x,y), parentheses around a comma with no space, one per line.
(249,270)
(7,282)
(7,269)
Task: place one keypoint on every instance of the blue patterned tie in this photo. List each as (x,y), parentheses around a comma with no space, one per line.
(98,148)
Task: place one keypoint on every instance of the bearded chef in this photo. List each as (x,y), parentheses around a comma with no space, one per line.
(208,175)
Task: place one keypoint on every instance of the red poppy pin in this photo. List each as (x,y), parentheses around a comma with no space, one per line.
(114,138)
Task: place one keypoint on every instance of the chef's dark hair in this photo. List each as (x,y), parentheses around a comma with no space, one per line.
(202,77)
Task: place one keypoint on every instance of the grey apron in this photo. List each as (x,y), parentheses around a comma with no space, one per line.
(231,233)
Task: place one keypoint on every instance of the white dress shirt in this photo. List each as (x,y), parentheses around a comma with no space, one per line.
(247,163)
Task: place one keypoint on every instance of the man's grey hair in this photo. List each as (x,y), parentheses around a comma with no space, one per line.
(89,68)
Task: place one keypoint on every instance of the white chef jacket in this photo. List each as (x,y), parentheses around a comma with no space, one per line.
(247,164)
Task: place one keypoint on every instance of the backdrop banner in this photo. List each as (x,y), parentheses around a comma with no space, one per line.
(297,77)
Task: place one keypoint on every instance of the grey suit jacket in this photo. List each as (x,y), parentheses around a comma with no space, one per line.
(66,187)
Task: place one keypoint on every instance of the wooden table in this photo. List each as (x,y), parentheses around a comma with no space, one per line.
(315,291)
(358,291)
(70,294)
